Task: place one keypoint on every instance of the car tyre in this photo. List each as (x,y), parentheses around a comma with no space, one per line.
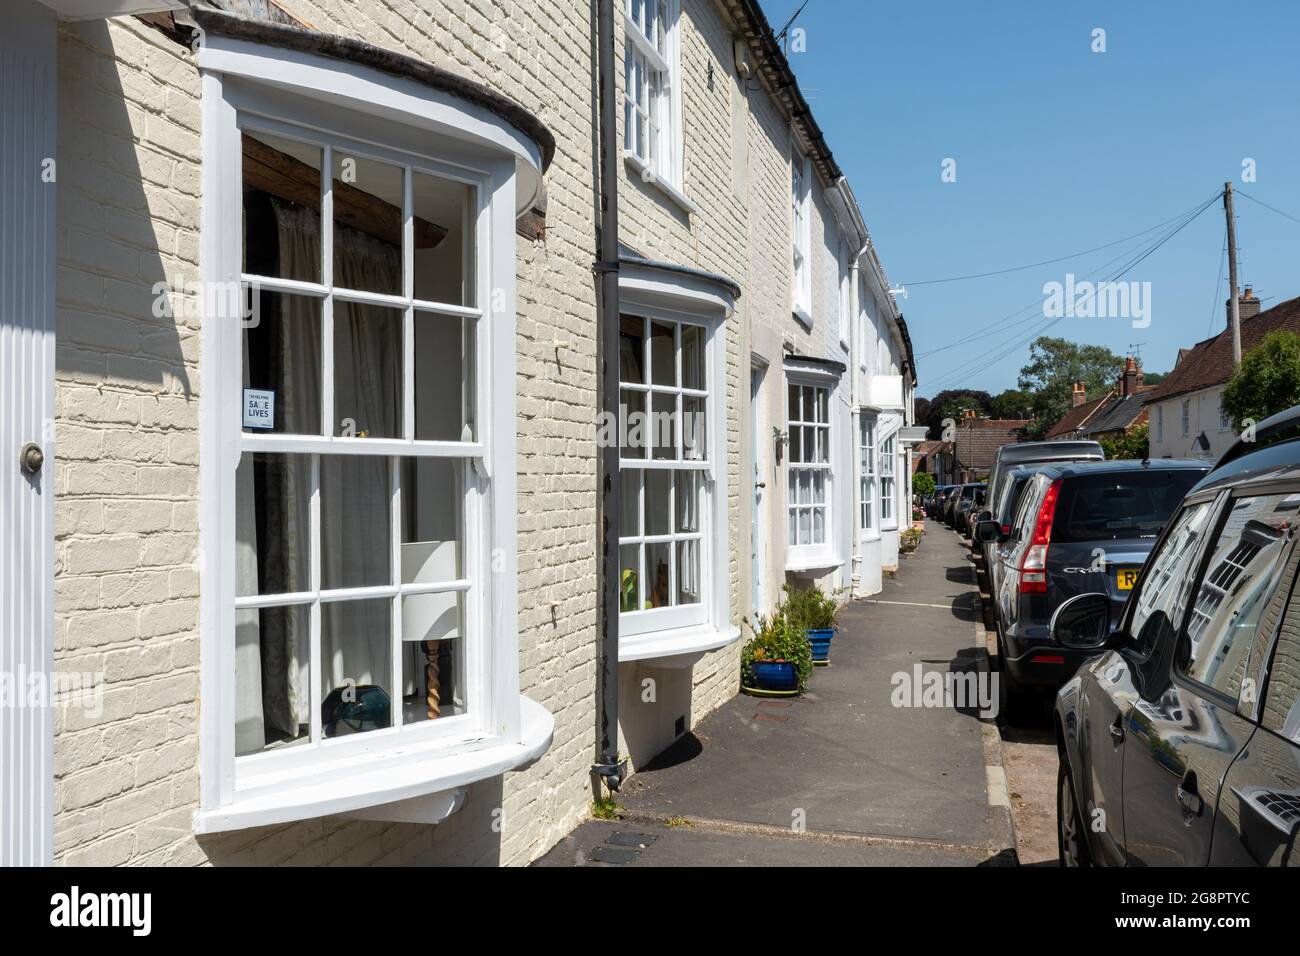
(1071,837)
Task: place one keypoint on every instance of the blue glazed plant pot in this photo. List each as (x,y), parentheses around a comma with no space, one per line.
(774,675)
(820,639)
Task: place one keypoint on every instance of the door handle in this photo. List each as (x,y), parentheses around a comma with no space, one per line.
(1188,797)
(1117,730)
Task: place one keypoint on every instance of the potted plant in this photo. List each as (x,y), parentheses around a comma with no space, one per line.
(776,660)
(814,613)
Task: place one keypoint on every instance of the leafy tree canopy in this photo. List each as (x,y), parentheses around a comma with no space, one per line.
(922,483)
(950,403)
(1268,381)
(1135,443)
(1013,403)
(1055,365)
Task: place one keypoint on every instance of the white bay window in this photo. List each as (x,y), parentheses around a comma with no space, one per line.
(866,471)
(358,514)
(808,451)
(674,599)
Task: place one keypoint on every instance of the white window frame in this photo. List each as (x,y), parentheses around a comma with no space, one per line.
(1225,422)
(652,84)
(888,472)
(677,636)
(248,85)
(801,237)
(1186,417)
(820,554)
(867,473)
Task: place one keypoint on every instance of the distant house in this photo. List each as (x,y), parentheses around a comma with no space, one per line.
(933,458)
(1186,409)
(1120,409)
(976,442)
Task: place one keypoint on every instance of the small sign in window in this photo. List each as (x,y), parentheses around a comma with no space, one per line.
(259,408)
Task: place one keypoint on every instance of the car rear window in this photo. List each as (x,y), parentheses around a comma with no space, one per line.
(968,491)
(1122,505)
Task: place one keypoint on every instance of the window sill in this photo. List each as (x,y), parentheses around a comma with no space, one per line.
(803,316)
(820,560)
(647,176)
(679,647)
(406,774)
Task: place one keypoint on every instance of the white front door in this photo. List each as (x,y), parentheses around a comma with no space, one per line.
(28,111)
(758,483)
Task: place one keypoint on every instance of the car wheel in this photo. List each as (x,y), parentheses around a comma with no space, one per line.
(1071,838)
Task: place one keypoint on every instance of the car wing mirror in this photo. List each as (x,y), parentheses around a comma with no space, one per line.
(987,532)
(1082,623)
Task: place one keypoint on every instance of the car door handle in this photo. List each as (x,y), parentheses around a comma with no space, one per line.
(1117,730)
(1188,797)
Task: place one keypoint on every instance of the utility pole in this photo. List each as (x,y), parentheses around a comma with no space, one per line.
(1234,319)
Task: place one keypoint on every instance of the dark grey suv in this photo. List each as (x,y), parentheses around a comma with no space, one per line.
(1079,527)
(1179,739)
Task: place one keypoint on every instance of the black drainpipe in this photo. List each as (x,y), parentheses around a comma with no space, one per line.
(608,767)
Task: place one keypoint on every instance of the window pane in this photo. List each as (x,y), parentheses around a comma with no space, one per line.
(819,526)
(657,583)
(433,656)
(664,422)
(1237,585)
(631,349)
(282,232)
(658,483)
(282,356)
(629,594)
(663,351)
(355,505)
(444,378)
(432,541)
(792,405)
(809,404)
(819,487)
(444,234)
(1155,616)
(796,444)
(688,572)
(630,505)
(272,524)
(356,666)
(633,428)
(367,371)
(805,526)
(694,429)
(823,414)
(794,523)
(693,356)
(272,673)
(368,198)
(688,500)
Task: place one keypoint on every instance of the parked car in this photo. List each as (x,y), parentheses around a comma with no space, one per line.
(1036,452)
(966,493)
(1180,736)
(935,506)
(1080,527)
(970,512)
(1003,511)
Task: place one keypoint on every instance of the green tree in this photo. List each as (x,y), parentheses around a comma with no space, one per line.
(950,403)
(1268,381)
(922,483)
(1053,368)
(1013,403)
(1153,378)
(1135,443)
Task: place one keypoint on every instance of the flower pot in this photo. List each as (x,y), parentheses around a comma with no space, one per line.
(820,639)
(775,675)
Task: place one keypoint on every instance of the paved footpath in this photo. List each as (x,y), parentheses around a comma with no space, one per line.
(841,776)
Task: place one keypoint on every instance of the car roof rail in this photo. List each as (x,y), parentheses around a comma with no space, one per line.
(1282,426)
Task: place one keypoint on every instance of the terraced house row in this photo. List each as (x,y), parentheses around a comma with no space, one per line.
(310,311)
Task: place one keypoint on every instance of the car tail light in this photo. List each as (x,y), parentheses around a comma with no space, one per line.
(1033,567)
(1049,659)
(1006,529)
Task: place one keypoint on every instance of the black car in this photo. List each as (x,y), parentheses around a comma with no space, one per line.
(962,494)
(1080,527)
(1180,737)
(934,507)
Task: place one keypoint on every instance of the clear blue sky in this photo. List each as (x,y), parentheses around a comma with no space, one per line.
(1058,149)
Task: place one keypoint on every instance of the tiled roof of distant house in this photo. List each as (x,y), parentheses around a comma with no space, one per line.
(976,442)
(1077,416)
(1209,363)
(1120,413)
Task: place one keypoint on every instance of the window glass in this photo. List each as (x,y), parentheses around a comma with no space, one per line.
(281,360)
(809,457)
(443,236)
(1110,507)
(1238,583)
(887,479)
(367,371)
(282,201)
(368,201)
(867,469)
(661,533)
(1158,604)
(1280,712)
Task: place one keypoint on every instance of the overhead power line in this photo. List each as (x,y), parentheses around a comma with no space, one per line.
(983,358)
(1260,202)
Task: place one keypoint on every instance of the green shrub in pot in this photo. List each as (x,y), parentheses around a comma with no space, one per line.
(775,639)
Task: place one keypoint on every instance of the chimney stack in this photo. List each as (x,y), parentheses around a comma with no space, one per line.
(1247,305)
(1131,379)
(1080,394)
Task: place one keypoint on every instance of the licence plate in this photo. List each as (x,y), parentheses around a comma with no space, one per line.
(1125,578)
